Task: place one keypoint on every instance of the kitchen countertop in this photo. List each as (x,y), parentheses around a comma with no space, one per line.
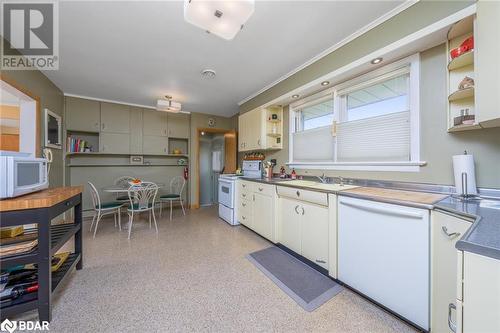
(482,238)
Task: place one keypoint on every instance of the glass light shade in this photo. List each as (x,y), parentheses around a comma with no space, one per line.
(222,18)
(168,106)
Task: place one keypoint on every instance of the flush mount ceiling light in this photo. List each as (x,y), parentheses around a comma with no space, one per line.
(376,61)
(168,105)
(208,73)
(222,18)
(295,96)
(325,83)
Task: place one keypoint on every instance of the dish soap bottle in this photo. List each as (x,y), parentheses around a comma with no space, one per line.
(294,174)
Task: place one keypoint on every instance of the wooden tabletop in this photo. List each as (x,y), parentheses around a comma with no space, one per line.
(398,195)
(41,199)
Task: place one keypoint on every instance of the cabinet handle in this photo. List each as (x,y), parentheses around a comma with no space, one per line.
(450,235)
(258,142)
(253,197)
(302,210)
(296,211)
(243,185)
(103,125)
(451,324)
(243,217)
(261,189)
(243,195)
(321,261)
(244,204)
(96,125)
(298,193)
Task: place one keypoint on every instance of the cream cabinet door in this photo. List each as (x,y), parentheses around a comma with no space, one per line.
(115,118)
(263,215)
(135,130)
(154,123)
(254,139)
(481,303)
(243,130)
(289,229)
(314,230)
(114,143)
(154,145)
(178,125)
(82,115)
(446,230)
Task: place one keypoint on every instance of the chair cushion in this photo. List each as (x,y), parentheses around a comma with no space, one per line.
(136,206)
(169,196)
(109,205)
(122,198)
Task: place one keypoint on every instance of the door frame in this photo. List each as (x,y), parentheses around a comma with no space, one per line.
(38,111)
(196,203)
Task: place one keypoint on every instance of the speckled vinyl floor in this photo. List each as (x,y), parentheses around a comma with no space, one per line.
(192,276)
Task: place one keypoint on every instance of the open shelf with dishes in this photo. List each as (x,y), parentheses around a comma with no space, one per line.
(461,76)
(273,127)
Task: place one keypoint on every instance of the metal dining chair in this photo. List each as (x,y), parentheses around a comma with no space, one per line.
(141,199)
(177,185)
(101,209)
(123,182)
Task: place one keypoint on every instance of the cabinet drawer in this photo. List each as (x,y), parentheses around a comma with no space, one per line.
(245,189)
(245,205)
(264,189)
(245,212)
(303,195)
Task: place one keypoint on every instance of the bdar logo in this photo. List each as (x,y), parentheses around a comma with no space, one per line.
(8,326)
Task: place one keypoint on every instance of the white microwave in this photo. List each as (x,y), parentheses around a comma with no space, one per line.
(21,174)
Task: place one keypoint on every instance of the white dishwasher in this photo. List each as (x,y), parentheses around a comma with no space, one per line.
(383,252)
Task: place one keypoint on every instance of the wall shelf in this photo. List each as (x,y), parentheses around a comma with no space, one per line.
(461,94)
(464,127)
(274,135)
(461,61)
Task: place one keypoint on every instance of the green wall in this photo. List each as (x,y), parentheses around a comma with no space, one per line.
(51,97)
(407,22)
(436,144)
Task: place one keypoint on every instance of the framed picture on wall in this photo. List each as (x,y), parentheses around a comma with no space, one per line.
(53,130)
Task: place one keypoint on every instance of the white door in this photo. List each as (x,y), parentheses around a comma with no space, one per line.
(263,212)
(290,224)
(314,228)
(383,252)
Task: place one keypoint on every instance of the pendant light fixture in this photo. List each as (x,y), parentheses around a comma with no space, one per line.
(167,105)
(222,18)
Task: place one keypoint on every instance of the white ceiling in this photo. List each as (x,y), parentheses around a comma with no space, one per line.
(136,51)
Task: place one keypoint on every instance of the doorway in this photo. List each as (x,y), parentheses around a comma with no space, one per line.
(216,154)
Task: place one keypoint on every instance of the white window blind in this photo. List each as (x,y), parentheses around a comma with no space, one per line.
(314,145)
(383,138)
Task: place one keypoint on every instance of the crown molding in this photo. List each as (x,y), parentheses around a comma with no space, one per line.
(395,11)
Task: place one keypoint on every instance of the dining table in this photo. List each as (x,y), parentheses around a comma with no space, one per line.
(124,189)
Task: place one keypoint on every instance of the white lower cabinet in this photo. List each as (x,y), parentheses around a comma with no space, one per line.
(255,207)
(303,226)
(480,308)
(446,230)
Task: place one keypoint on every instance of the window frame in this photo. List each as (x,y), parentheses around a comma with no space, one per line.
(410,65)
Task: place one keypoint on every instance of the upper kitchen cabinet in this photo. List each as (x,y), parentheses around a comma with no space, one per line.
(261,129)
(178,125)
(136,130)
(155,123)
(82,115)
(115,118)
(488,67)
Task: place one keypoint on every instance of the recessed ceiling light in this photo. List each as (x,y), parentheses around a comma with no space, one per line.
(295,96)
(208,73)
(377,60)
(325,83)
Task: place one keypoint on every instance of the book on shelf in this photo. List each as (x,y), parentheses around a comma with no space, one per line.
(75,145)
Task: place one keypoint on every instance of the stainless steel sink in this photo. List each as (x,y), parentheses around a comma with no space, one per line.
(317,185)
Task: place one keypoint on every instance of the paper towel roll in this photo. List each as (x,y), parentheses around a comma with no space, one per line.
(461,164)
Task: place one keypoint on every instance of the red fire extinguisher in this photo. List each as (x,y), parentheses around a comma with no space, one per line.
(186,173)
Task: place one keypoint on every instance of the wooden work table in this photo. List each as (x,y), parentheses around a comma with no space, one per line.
(41,208)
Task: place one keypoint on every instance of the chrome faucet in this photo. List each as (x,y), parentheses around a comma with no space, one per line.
(341,181)
(323,178)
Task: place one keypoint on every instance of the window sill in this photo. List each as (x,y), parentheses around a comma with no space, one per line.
(360,166)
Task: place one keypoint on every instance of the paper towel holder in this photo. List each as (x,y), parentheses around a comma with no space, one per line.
(465,195)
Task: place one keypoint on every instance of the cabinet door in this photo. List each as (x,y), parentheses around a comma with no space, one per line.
(254,139)
(487,67)
(154,123)
(178,125)
(82,115)
(444,266)
(154,145)
(243,131)
(263,212)
(115,118)
(135,130)
(314,230)
(114,143)
(290,224)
